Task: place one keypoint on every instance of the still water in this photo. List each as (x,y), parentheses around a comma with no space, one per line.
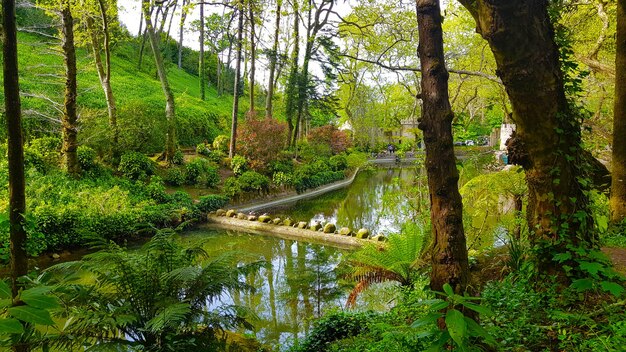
(375,201)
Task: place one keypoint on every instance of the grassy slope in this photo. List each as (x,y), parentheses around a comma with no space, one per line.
(41,71)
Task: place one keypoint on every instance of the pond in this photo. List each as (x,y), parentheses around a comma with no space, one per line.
(300,284)
(374,201)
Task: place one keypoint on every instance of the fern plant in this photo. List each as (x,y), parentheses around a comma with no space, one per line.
(398,261)
(157,298)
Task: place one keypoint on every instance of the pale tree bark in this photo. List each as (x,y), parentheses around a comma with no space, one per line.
(69,120)
(291,101)
(15,141)
(183,18)
(273,58)
(233,133)
(170,112)
(104,71)
(618,172)
(548,142)
(201,73)
(252,55)
(449,251)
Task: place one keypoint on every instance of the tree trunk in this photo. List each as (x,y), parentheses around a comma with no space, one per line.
(13,113)
(292,82)
(170,113)
(252,56)
(104,73)
(618,172)
(201,58)
(183,17)
(233,133)
(273,59)
(449,251)
(68,122)
(548,142)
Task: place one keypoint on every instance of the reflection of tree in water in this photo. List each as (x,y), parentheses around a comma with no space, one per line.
(366,203)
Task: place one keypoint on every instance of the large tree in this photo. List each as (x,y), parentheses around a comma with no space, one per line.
(13,113)
(618,172)
(170,113)
(233,132)
(273,56)
(548,142)
(69,119)
(449,251)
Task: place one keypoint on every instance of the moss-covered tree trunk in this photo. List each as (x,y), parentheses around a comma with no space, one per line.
(547,145)
(273,58)
(201,73)
(170,112)
(291,99)
(252,55)
(69,126)
(233,132)
(449,251)
(618,172)
(13,113)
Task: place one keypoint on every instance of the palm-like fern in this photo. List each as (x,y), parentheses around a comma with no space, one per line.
(398,261)
(157,297)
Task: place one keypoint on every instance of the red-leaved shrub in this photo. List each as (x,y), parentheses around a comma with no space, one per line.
(331,136)
(261,141)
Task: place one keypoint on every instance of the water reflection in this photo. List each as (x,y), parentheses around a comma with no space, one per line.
(300,284)
(365,204)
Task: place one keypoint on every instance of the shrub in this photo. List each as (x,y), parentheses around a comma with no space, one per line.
(220,143)
(261,141)
(333,327)
(251,181)
(211,202)
(330,136)
(178,158)
(338,163)
(231,187)
(49,148)
(203,149)
(201,171)
(86,157)
(156,190)
(174,176)
(239,164)
(282,179)
(285,165)
(355,160)
(216,156)
(136,166)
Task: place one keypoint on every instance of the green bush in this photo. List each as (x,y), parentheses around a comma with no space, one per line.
(315,175)
(338,163)
(174,176)
(136,166)
(156,190)
(283,165)
(216,156)
(252,181)
(355,160)
(201,171)
(178,158)
(211,202)
(282,179)
(221,143)
(203,149)
(49,148)
(239,164)
(231,187)
(333,327)
(86,158)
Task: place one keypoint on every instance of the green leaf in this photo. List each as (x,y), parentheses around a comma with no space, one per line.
(478,331)
(10,326)
(448,289)
(581,285)
(482,310)
(5,290)
(439,306)
(612,287)
(591,267)
(39,301)
(426,320)
(561,257)
(31,315)
(455,321)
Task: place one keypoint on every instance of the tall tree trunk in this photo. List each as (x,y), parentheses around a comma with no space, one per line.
(273,59)
(201,58)
(70,117)
(252,56)
(233,133)
(13,112)
(547,142)
(292,82)
(104,73)
(170,113)
(183,18)
(618,172)
(449,252)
